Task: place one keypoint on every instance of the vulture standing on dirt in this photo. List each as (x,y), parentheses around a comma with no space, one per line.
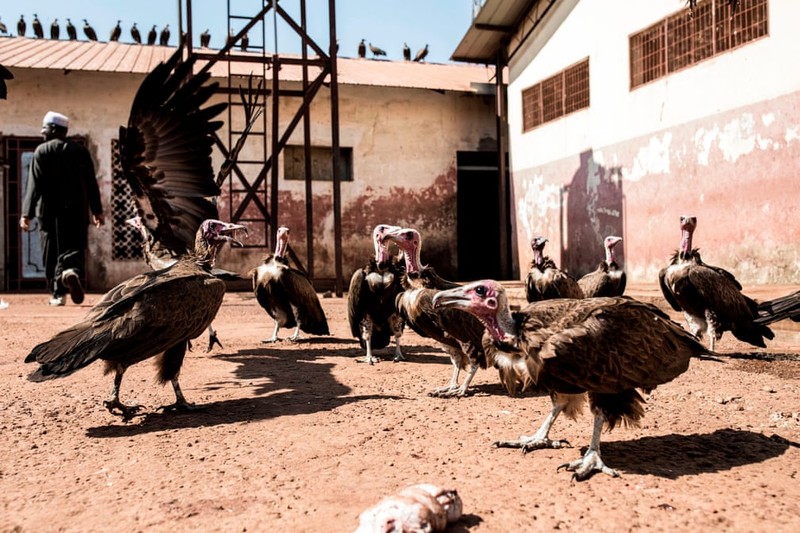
(609,279)
(144,317)
(545,280)
(458,333)
(710,297)
(596,349)
(287,294)
(782,308)
(371,311)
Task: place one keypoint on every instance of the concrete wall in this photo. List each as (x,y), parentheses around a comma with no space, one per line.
(718,140)
(404,155)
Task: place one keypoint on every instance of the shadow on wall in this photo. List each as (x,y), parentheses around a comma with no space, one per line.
(592,207)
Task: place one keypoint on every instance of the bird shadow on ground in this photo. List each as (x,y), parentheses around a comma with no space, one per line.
(763,356)
(277,385)
(673,456)
(414,353)
(464,524)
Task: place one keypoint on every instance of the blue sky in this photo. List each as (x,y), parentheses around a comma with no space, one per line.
(385,23)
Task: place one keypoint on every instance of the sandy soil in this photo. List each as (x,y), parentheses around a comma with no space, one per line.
(301,437)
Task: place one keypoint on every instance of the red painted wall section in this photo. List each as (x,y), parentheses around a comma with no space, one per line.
(736,171)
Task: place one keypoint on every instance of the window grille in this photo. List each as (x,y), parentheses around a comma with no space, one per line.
(126,240)
(557,96)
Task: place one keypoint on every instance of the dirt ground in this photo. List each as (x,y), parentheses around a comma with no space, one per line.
(301,437)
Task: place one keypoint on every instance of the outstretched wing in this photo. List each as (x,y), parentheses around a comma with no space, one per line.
(165,152)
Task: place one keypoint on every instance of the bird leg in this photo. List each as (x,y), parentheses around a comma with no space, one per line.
(398,353)
(296,335)
(460,391)
(212,338)
(397,329)
(591,462)
(180,401)
(274,337)
(366,335)
(539,440)
(446,391)
(127,411)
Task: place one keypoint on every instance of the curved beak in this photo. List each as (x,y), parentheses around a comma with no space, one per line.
(230,233)
(452,298)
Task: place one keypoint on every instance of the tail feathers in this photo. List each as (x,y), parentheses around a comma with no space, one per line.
(313,320)
(70,350)
(785,307)
(753,333)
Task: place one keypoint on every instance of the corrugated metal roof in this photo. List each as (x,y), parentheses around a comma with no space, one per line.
(490,28)
(21,52)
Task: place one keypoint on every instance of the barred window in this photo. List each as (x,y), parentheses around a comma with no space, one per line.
(559,95)
(692,35)
(126,240)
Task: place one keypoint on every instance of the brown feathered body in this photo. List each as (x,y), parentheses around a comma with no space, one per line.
(545,280)
(782,308)
(458,333)
(287,294)
(608,279)
(710,297)
(600,350)
(371,310)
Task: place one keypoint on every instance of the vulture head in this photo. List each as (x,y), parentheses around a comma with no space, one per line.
(537,245)
(688,225)
(409,241)
(381,247)
(212,235)
(282,241)
(487,301)
(609,243)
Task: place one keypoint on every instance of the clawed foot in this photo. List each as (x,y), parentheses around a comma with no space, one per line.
(399,357)
(529,444)
(180,406)
(126,411)
(369,359)
(587,466)
(448,392)
(271,340)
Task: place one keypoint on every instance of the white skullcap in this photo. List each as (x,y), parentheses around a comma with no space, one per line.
(55,118)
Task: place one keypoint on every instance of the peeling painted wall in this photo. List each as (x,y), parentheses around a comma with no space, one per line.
(404,145)
(719,140)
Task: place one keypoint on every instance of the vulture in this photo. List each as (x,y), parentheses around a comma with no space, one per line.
(38,31)
(545,280)
(72,33)
(5,74)
(596,349)
(3,28)
(89,31)
(362,49)
(115,32)
(135,34)
(371,311)
(165,152)
(152,35)
(245,43)
(376,51)
(21,26)
(782,308)
(406,52)
(710,297)
(55,30)
(205,39)
(287,294)
(163,38)
(421,54)
(146,316)
(458,333)
(609,279)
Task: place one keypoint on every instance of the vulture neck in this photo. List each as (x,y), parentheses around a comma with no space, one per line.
(280,248)
(381,253)
(538,256)
(204,254)
(412,260)
(611,256)
(686,243)
(502,326)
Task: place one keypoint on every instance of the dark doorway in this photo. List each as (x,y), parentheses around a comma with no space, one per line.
(23,256)
(478,215)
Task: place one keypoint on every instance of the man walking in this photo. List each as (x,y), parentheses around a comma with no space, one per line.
(61,192)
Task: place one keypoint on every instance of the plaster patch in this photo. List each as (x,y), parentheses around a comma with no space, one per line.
(792,134)
(538,199)
(652,158)
(767,119)
(738,138)
(703,141)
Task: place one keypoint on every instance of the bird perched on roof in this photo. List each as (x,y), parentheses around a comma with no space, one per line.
(244,43)
(374,287)
(115,32)
(782,308)
(38,31)
(421,54)
(144,317)
(545,280)
(205,38)
(89,31)
(55,30)
(287,294)
(3,27)
(163,38)
(596,349)
(376,51)
(21,26)
(362,49)
(406,52)
(135,34)
(72,33)
(5,74)
(152,35)
(608,279)
(710,297)
(458,333)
